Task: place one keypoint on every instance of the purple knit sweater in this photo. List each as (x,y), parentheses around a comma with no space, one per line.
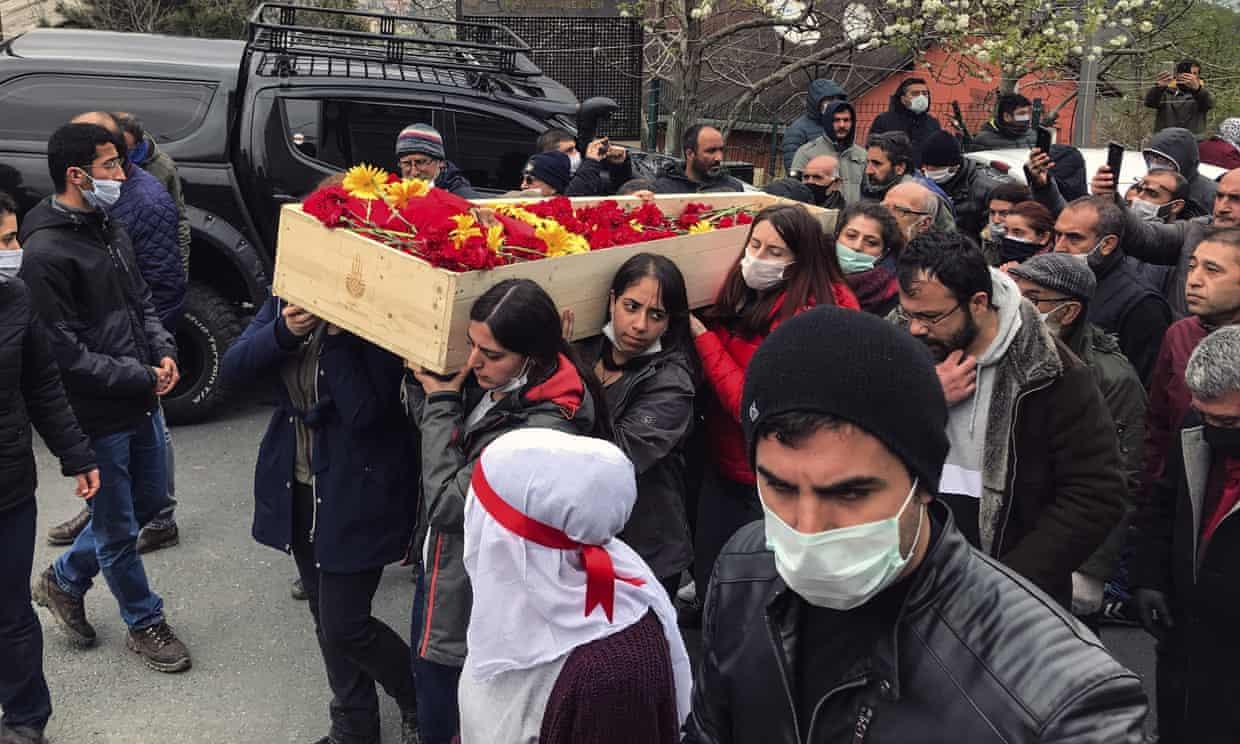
(617,690)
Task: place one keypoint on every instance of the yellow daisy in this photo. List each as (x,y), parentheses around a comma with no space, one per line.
(401,193)
(698,228)
(495,238)
(561,242)
(365,181)
(466,228)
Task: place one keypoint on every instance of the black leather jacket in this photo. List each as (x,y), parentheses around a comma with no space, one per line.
(978,655)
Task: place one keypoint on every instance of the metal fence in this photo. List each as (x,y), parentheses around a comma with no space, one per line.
(590,57)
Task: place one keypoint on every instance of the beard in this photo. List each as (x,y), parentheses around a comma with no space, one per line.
(958,341)
(706,171)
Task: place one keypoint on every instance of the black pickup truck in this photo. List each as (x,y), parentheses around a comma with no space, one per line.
(258,123)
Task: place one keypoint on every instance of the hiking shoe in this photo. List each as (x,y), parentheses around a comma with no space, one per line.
(69,610)
(21,735)
(66,532)
(159,648)
(159,533)
(298,590)
(409,728)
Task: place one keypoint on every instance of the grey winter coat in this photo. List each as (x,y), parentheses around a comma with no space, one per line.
(849,153)
(808,125)
(651,408)
(1126,400)
(449,451)
(1166,245)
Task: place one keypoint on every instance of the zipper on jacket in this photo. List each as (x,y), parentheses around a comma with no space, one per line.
(997,546)
(866,712)
(783,674)
(314,479)
(863,724)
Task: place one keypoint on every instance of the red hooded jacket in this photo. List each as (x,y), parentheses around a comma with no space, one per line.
(725,357)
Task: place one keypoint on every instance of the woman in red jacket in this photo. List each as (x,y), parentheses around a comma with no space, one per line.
(787,266)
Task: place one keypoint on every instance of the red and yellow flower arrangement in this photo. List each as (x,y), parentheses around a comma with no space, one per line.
(449,232)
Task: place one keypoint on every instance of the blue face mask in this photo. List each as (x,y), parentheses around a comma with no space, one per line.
(853,262)
(10,262)
(138,153)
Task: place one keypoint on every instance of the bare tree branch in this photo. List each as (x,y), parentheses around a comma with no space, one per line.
(778,76)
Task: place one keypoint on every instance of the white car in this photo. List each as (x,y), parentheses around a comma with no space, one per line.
(1095,157)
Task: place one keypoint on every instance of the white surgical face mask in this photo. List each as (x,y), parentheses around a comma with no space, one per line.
(10,262)
(843,568)
(998,230)
(104,192)
(1149,211)
(919,104)
(610,332)
(762,273)
(1055,326)
(939,175)
(517,382)
(1025,119)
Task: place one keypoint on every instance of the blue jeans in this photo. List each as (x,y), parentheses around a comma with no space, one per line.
(23,688)
(133,483)
(439,713)
(168,509)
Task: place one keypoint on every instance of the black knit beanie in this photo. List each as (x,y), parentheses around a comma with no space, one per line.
(941,149)
(857,367)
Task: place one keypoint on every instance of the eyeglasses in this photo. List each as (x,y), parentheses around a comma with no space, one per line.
(1148,189)
(1036,300)
(906,211)
(904,316)
(412,163)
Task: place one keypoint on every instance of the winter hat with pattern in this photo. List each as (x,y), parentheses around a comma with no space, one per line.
(856,367)
(1058,272)
(420,138)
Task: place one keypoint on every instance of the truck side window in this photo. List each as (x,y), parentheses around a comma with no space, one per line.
(343,133)
(170,110)
(491,150)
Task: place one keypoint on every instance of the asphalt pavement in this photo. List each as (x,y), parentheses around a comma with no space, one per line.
(257,677)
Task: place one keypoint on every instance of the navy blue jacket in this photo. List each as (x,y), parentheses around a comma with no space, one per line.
(150,216)
(364,460)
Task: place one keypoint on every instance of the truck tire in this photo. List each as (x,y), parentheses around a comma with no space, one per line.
(207,327)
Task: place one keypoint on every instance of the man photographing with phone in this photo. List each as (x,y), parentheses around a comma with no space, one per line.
(1181,98)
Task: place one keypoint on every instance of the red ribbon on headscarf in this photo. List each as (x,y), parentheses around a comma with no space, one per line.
(601,575)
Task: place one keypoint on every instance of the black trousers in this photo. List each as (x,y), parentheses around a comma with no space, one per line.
(358,650)
(23,689)
(724,506)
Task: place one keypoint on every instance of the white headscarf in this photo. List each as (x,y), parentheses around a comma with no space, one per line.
(530,601)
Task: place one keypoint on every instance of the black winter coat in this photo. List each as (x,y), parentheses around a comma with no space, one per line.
(97,312)
(364,458)
(30,392)
(672,180)
(978,655)
(651,408)
(918,127)
(970,191)
(1200,584)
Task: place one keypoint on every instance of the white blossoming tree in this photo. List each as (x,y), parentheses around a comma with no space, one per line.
(1018,37)
(695,44)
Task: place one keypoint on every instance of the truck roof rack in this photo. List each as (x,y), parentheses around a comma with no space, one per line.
(370,42)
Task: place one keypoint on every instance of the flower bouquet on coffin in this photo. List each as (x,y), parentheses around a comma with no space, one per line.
(449,232)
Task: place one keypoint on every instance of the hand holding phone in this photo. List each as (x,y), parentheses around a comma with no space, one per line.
(1044,140)
(1115,161)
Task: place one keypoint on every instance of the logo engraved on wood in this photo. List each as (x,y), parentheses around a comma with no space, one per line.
(353,281)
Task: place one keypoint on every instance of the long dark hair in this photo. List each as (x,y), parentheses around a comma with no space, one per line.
(671,291)
(808,280)
(893,239)
(523,318)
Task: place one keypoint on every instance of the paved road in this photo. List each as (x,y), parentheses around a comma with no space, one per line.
(257,678)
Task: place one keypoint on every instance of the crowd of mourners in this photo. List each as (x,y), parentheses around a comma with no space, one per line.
(940,425)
